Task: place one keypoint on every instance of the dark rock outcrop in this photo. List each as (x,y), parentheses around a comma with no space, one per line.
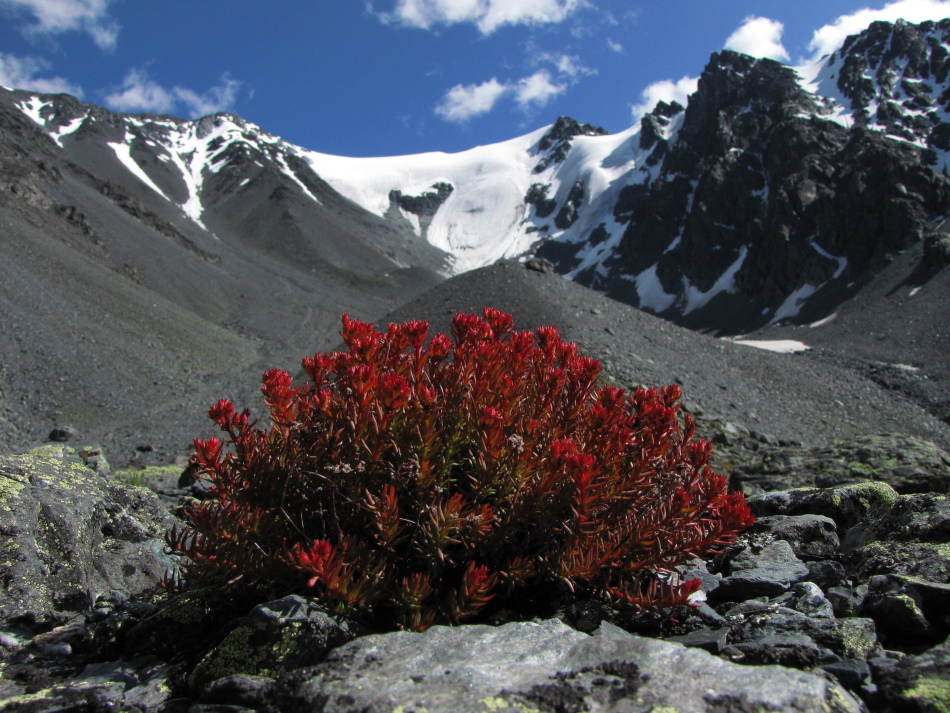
(758,183)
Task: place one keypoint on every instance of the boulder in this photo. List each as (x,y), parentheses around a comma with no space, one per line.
(68,534)
(544,666)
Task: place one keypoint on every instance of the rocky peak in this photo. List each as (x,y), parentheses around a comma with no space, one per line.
(739,98)
(895,76)
(556,143)
(654,126)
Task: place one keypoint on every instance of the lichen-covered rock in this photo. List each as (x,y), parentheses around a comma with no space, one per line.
(917,684)
(909,465)
(847,505)
(274,638)
(544,666)
(69,533)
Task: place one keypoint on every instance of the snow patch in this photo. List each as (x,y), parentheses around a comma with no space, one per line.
(66,130)
(842,261)
(726,283)
(781,346)
(124,154)
(32,108)
(651,293)
(793,303)
(821,322)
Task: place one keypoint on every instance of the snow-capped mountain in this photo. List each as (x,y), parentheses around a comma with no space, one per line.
(772,196)
(169,259)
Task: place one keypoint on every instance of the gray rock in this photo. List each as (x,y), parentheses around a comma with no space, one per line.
(854,637)
(908,610)
(811,536)
(792,650)
(69,533)
(909,465)
(810,600)
(851,673)
(847,505)
(767,573)
(544,666)
(274,638)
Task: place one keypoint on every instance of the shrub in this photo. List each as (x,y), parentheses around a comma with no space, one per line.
(412,482)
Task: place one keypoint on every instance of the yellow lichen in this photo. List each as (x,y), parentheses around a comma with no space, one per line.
(935,691)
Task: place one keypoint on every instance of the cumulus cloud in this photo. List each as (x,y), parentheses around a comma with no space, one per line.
(567,66)
(614,46)
(487,15)
(830,37)
(56,16)
(759,37)
(21,73)
(139,93)
(666,90)
(461,103)
(536,90)
(464,102)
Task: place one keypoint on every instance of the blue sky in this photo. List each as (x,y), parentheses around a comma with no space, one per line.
(394,77)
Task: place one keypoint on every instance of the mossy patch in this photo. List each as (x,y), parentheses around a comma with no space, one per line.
(152,476)
(934,691)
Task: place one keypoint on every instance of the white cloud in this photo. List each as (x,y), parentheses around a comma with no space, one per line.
(614,46)
(666,90)
(20,73)
(139,93)
(219,98)
(55,16)
(464,102)
(461,103)
(568,66)
(487,15)
(536,90)
(830,37)
(759,37)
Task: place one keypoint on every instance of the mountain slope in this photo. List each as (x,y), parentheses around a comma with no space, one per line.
(153,263)
(125,300)
(788,396)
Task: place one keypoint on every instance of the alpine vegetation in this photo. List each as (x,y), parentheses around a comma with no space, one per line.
(413,481)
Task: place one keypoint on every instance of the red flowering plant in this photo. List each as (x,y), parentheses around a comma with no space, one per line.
(412,482)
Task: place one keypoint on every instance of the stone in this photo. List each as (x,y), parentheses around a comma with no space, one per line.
(909,465)
(772,571)
(850,673)
(63,434)
(810,536)
(544,666)
(847,505)
(275,637)
(792,650)
(713,640)
(810,600)
(69,533)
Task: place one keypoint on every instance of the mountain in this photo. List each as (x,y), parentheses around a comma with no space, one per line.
(151,265)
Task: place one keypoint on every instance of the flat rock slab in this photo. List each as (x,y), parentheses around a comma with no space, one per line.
(545,666)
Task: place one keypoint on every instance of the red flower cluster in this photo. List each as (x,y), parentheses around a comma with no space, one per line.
(414,482)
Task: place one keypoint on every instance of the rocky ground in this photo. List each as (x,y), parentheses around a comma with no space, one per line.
(835,600)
